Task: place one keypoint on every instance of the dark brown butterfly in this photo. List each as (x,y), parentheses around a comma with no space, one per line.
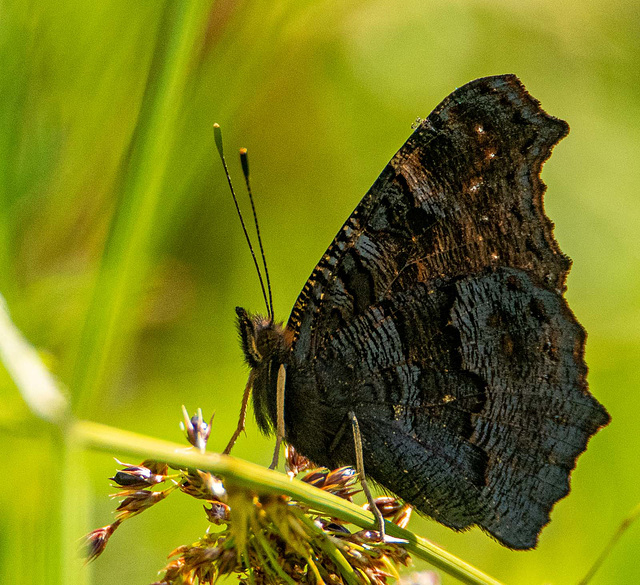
(437,318)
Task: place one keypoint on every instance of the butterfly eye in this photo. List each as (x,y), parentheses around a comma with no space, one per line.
(267,341)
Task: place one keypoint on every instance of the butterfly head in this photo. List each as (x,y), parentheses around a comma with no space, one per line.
(262,339)
(265,345)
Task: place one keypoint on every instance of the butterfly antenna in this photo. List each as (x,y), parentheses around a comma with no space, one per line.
(244,159)
(217,133)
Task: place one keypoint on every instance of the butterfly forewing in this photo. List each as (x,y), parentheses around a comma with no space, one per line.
(437,316)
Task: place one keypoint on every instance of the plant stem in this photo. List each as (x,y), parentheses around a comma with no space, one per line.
(628,521)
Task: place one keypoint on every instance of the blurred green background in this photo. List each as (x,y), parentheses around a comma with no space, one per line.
(121,259)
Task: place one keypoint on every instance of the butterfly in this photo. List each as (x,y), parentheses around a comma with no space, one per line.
(436,319)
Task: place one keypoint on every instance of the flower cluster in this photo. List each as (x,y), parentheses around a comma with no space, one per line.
(263,539)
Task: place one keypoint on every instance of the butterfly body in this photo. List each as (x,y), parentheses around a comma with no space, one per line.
(437,317)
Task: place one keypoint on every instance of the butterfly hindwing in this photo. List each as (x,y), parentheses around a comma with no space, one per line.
(523,342)
(470,397)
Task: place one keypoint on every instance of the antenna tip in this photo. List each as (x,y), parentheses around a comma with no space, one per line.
(217,134)
(244,160)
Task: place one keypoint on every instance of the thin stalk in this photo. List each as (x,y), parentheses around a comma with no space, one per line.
(315,571)
(628,521)
(331,550)
(270,556)
(245,559)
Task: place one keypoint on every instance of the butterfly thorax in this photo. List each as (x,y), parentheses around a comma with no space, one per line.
(266,345)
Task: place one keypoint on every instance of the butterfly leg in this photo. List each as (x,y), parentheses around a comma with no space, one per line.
(282,376)
(243,415)
(357,442)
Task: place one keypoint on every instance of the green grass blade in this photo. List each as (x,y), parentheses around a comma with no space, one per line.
(109,323)
(37,386)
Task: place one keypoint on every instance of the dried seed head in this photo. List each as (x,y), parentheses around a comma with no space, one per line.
(196,429)
(228,562)
(393,509)
(340,481)
(218,513)
(403,516)
(156,467)
(138,501)
(96,541)
(203,485)
(171,572)
(137,476)
(296,463)
(331,525)
(197,555)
